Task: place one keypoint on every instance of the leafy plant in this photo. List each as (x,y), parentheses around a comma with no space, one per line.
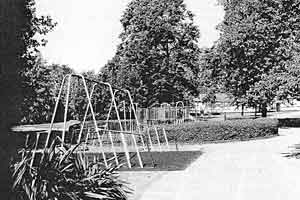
(63,174)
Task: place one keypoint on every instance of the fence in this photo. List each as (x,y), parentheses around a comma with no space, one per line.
(158,115)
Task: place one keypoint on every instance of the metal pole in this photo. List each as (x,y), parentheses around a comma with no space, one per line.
(130,122)
(132,135)
(85,115)
(166,138)
(54,112)
(124,115)
(35,148)
(149,136)
(86,141)
(137,150)
(109,112)
(157,136)
(121,128)
(66,111)
(136,119)
(113,147)
(26,145)
(94,118)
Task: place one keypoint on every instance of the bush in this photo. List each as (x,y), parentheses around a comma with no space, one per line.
(289,122)
(63,174)
(199,132)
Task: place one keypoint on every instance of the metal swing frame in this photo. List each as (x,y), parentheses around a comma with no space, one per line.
(89,107)
(122,130)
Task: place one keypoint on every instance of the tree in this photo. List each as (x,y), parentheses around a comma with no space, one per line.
(208,84)
(257,41)
(37,101)
(158,56)
(17,28)
(41,86)
(10,53)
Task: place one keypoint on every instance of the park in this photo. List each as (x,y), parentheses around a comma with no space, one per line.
(165,117)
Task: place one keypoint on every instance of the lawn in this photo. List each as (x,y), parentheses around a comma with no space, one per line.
(156,161)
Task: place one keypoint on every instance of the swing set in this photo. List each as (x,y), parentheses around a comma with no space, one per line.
(109,139)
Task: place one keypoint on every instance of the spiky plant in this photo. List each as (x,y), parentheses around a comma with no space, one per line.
(62,174)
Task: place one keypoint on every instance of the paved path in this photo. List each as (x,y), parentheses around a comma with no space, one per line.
(236,171)
(290,114)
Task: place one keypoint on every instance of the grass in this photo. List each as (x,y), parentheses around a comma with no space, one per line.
(157,161)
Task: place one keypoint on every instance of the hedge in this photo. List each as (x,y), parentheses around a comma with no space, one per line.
(289,122)
(209,131)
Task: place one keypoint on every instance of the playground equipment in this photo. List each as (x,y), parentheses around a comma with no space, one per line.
(110,138)
(99,131)
(156,138)
(179,112)
(164,114)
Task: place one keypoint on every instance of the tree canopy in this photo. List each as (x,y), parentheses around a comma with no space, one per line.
(34,75)
(258,42)
(158,55)
(18,26)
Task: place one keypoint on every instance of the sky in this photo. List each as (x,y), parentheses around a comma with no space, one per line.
(86,35)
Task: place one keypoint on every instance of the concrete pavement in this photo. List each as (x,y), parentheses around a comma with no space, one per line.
(235,171)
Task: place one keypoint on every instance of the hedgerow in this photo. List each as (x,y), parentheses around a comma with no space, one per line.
(289,122)
(209,131)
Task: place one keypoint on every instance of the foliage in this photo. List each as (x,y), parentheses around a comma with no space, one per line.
(157,59)
(46,81)
(11,50)
(41,86)
(289,122)
(33,73)
(209,131)
(210,97)
(63,174)
(78,101)
(257,43)
(56,75)
(18,26)
(37,104)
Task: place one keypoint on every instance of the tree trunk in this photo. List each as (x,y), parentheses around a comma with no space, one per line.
(264,110)
(11,14)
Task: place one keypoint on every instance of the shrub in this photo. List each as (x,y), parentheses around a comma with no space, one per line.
(198,132)
(63,174)
(289,122)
